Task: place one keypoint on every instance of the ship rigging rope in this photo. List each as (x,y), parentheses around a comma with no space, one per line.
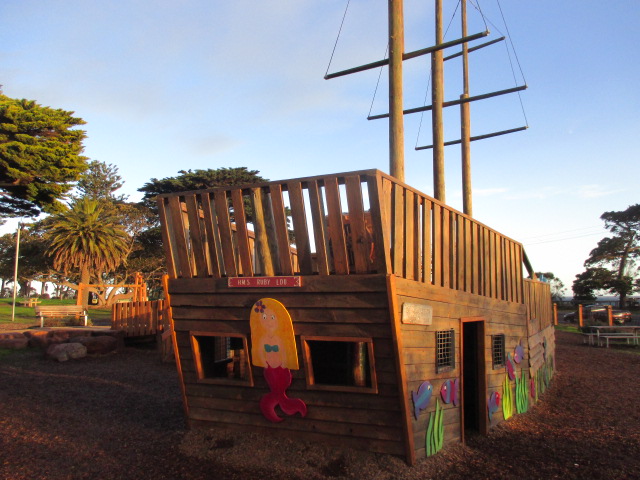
(426,93)
(515,54)
(338,36)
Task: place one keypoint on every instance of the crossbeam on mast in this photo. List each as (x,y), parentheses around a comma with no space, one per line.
(473,49)
(407,56)
(478,137)
(452,103)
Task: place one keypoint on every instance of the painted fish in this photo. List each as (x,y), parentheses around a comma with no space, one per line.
(519,353)
(446,391)
(511,367)
(422,397)
(494,404)
(455,391)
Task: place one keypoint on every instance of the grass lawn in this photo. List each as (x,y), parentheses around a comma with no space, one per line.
(28,314)
(568,328)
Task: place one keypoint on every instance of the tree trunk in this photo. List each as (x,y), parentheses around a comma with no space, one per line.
(623,267)
(85,278)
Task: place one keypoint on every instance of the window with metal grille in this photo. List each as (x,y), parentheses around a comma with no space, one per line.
(497,350)
(445,351)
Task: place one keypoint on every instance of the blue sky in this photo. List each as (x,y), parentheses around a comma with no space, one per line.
(187,84)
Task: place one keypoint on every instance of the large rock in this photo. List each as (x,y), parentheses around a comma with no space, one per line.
(64,351)
(97,345)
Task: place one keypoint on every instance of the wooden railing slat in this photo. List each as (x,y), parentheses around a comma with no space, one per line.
(460,253)
(336,227)
(213,243)
(417,238)
(281,230)
(397,227)
(221,207)
(242,233)
(379,219)
(179,230)
(197,247)
(409,259)
(263,251)
(427,207)
(298,215)
(437,245)
(319,227)
(167,244)
(361,240)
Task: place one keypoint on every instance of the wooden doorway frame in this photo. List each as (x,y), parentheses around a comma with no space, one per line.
(483,425)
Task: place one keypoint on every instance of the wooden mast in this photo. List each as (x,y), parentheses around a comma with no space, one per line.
(396,117)
(465,121)
(437,98)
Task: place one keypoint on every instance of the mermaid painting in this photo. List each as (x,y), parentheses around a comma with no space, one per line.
(273,347)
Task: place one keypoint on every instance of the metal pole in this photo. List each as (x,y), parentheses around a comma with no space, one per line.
(15,273)
(437,99)
(396,117)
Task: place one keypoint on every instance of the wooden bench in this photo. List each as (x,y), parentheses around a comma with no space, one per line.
(60,311)
(619,336)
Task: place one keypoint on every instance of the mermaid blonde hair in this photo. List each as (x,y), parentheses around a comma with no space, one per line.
(284,330)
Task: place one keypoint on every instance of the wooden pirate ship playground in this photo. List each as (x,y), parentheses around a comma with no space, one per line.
(353,309)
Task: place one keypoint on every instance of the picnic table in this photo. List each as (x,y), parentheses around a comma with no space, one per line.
(605,333)
(30,302)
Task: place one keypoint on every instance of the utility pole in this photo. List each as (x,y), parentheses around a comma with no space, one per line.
(396,115)
(15,273)
(437,99)
(465,121)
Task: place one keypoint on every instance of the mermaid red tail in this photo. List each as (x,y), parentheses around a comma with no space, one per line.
(279,379)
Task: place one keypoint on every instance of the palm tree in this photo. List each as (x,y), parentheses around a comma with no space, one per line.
(86,239)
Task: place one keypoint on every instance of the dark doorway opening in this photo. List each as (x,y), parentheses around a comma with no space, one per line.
(473,377)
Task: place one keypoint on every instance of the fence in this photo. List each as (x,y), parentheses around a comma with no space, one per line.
(139,319)
(352,223)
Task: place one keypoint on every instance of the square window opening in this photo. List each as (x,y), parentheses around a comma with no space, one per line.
(497,350)
(340,364)
(445,350)
(221,358)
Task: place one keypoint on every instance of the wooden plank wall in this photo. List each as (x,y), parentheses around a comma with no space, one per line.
(537,298)
(356,306)
(539,322)
(419,349)
(138,319)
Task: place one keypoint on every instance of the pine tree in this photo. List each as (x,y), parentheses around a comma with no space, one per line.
(40,157)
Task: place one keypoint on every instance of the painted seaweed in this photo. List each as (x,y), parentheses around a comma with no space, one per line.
(435,431)
(522,393)
(507,398)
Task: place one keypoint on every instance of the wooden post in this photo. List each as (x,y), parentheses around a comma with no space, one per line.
(610,315)
(555,314)
(396,119)
(465,121)
(437,99)
(580,322)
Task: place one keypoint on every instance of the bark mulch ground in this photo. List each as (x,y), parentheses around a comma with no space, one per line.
(120,416)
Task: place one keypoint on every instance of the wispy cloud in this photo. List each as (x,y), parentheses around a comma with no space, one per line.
(596,191)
